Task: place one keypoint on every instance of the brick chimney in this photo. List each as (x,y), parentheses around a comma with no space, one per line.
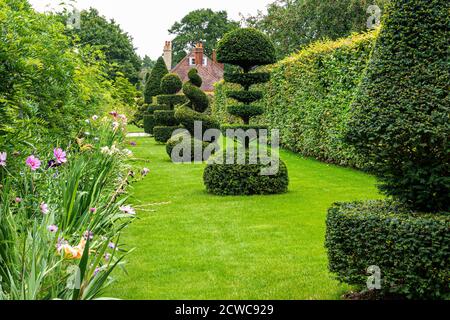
(198,53)
(168,55)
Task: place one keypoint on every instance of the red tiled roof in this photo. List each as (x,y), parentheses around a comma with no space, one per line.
(210,74)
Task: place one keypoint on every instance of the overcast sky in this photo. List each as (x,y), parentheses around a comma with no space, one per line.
(147,21)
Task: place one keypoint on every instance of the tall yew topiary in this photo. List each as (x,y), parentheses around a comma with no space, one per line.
(246,48)
(400,120)
(163,111)
(153,83)
(190,112)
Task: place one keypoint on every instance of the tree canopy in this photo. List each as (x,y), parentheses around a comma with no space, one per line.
(295,23)
(116,44)
(203,25)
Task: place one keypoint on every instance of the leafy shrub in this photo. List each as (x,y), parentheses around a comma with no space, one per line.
(199,101)
(245,111)
(412,250)
(308,98)
(186,116)
(149,123)
(247,48)
(194,78)
(155,107)
(171,100)
(165,118)
(247,79)
(171,84)
(153,84)
(244,179)
(163,133)
(245,97)
(400,119)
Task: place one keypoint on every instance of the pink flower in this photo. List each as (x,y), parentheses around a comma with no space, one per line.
(3,159)
(60,155)
(18,200)
(111,245)
(52,228)
(114,114)
(93,210)
(115,125)
(33,162)
(44,208)
(127,210)
(107,256)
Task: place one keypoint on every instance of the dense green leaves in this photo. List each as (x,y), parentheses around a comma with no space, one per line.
(308,98)
(153,84)
(244,179)
(411,250)
(171,84)
(400,119)
(246,48)
(200,25)
(107,36)
(294,24)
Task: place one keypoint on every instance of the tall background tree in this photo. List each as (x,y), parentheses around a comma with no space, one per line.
(292,24)
(116,44)
(203,25)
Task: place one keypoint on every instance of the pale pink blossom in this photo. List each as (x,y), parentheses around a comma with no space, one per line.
(93,210)
(33,162)
(3,156)
(60,155)
(114,114)
(115,125)
(44,208)
(52,228)
(94,117)
(18,200)
(127,210)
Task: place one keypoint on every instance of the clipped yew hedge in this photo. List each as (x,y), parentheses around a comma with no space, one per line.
(411,249)
(308,97)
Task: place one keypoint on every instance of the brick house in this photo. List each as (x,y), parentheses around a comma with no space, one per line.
(208,68)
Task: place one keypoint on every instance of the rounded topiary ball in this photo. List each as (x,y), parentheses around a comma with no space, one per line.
(171,83)
(246,48)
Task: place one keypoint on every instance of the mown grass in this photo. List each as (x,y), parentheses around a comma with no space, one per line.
(192,245)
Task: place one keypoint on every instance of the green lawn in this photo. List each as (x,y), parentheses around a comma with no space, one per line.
(192,245)
(131,128)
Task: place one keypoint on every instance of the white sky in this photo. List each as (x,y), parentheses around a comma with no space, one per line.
(147,21)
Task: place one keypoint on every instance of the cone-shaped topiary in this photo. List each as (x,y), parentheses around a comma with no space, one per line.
(246,48)
(193,110)
(153,83)
(164,122)
(400,120)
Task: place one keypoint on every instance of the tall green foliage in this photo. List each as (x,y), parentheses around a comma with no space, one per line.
(400,120)
(308,98)
(293,24)
(153,85)
(200,25)
(107,36)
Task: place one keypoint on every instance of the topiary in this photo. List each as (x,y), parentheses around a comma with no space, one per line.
(400,120)
(171,84)
(153,83)
(244,179)
(161,114)
(192,111)
(246,48)
(185,141)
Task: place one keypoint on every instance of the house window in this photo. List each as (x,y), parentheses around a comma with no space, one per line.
(191,61)
(205,61)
